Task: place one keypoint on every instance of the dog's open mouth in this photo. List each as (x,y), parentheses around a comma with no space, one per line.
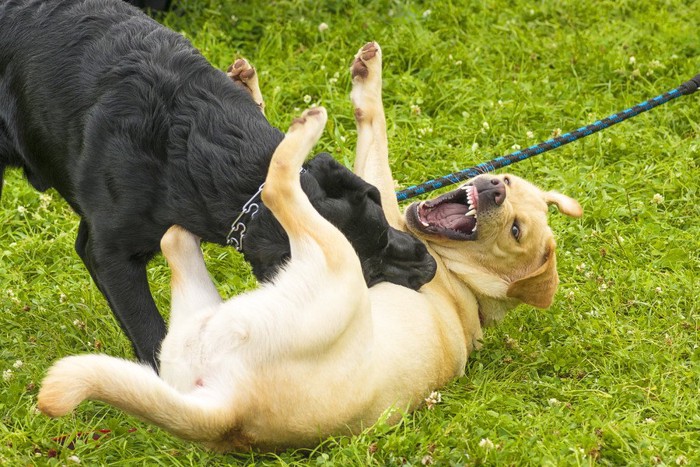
(453,215)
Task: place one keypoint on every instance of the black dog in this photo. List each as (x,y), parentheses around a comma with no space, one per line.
(137,131)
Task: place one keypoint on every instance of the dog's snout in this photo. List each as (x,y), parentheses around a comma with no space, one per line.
(499,191)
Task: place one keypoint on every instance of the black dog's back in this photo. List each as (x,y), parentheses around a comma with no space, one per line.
(101,88)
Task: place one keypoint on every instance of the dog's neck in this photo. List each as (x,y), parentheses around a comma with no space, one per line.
(446,286)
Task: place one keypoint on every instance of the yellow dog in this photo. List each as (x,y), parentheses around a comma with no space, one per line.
(315,352)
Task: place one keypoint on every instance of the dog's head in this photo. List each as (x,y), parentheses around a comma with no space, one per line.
(492,233)
(354,207)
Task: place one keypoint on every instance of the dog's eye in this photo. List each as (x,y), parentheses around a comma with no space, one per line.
(515,230)
(506,180)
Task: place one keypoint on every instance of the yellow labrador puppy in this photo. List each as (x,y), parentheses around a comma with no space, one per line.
(315,353)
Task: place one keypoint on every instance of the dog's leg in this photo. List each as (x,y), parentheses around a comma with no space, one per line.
(324,268)
(372,158)
(192,288)
(124,284)
(283,194)
(243,74)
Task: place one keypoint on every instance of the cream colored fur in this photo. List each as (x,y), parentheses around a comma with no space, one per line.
(315,353)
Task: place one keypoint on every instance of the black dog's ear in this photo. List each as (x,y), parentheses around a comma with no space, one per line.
(372,192)
(335,179)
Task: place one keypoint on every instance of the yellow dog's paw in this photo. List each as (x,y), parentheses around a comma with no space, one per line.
(368,62)
(311,123)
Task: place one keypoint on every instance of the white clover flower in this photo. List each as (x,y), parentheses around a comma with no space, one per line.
(21,209)
(681,460)
(434,398)
(45,199)
(427,460)
(657,199)
(79,324)
(415,109)
(553,402)
(632,60)
(530,134)
(475,146)
(649,421)
(18,364)
(458,62)
(486,443)
(307,99)
(581,267)
(515,147)
(74,459)
(556,133)
(426,13)
(322,27)
(658,290)
(603,287)
(7,375)
(485,125)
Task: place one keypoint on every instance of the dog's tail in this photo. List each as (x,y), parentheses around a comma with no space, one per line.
(135,389)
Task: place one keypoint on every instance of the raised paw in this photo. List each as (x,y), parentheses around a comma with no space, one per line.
(366,94)
(243,74)
(368,60)
(311,123)
(282,182)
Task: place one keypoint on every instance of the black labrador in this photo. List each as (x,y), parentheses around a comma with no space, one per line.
(137,131)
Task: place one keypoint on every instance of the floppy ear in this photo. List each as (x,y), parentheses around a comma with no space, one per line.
(566,205)
(537,288)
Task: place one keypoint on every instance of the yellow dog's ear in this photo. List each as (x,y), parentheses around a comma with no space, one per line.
(566,205)
(537,288)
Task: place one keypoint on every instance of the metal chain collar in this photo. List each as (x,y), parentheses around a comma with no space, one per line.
(238,227)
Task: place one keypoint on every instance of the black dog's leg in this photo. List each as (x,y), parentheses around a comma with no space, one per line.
(124,284)
(81,246)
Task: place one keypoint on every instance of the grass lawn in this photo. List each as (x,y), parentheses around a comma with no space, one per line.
(609,375)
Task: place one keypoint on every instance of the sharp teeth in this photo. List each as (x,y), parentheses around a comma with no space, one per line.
(425,224)
(474,229)
(471,213)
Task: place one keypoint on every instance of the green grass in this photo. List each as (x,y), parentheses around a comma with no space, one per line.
(609,375)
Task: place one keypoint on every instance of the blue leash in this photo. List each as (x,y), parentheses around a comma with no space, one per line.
(686,88)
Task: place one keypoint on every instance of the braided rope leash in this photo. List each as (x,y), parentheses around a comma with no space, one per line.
(686,88)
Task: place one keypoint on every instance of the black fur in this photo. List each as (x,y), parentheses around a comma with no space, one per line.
(136,130)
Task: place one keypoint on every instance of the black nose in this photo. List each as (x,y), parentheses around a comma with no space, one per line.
(498,191)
